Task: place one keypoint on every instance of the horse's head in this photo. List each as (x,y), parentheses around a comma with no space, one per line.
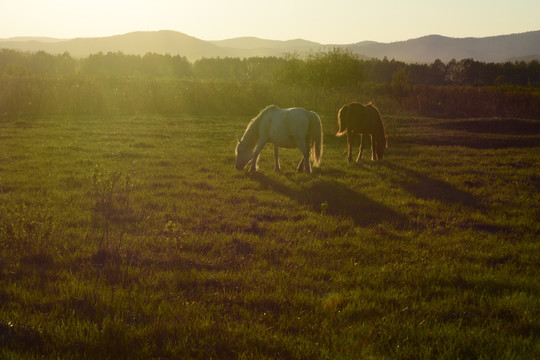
(243,155)
(380,145)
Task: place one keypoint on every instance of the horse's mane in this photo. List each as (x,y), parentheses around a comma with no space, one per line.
(251,134)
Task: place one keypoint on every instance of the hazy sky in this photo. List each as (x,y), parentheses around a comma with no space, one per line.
(328,21)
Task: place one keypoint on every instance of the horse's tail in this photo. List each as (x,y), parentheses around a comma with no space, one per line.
(316,135)
(343,120)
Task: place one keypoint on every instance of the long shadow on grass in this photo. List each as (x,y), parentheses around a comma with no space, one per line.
(425,187)
(482,134)
(337,200)
(493,126)
(474,142)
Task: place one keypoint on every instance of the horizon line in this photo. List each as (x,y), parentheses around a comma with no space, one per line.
(37,37)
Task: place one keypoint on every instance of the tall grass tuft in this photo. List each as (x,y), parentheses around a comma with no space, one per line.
(112,211)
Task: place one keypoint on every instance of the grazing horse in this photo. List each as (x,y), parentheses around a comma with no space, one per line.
(286,128)
(358,119)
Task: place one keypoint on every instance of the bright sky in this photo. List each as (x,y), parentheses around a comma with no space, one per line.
(323,21)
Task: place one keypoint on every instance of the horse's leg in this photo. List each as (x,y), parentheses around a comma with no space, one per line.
(373,147)
(307,152)
(304,163)
(276,158)
(350,138)
(260,144)
(300,166)
(361,149)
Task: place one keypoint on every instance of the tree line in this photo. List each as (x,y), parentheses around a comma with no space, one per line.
(115,83)
(335,68)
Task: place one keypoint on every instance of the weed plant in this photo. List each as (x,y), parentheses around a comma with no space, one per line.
(112,207)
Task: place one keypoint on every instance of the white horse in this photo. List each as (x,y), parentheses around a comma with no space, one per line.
(286,128)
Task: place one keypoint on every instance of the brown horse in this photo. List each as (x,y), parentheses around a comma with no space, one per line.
(358,119)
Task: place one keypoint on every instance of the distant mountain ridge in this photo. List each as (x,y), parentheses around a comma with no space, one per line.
(429,48)
(254,43)
(525,46)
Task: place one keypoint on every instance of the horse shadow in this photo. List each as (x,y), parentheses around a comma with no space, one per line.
(482,134)
(337,200)
(493,126)
(427,188)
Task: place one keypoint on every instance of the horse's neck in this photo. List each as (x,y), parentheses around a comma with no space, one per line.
(250,137)
(379,131)
(376,125)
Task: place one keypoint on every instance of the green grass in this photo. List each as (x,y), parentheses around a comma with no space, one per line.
(135,237)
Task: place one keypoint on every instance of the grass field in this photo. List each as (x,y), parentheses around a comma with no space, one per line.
(135,237)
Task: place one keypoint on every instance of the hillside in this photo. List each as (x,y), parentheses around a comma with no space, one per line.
(425,49)
(429,48)
(256,43)
(137,43)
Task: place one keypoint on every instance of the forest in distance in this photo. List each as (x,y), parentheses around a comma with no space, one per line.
(336,67)
(165,83)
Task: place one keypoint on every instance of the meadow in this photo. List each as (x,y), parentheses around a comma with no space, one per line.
(132,236)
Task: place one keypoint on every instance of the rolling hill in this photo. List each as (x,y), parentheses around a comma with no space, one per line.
(425,49)
(136,43)
(429,48)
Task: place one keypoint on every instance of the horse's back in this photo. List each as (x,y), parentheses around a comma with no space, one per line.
(297,120)
(363,119)
(286,126)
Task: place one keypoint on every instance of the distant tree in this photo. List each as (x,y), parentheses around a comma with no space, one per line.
(13,62)
(261,68)
(534,73)
(337,67)
(382,71)
(219,68)
(437,73)
(156,65)
(43,63)
(181,67)
(453,72)
(292,70)
(400,81)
